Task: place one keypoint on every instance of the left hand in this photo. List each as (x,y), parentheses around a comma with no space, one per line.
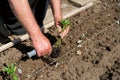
(59,29)
(61,33)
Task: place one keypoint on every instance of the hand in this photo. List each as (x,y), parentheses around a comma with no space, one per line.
(61,33)
(42,46)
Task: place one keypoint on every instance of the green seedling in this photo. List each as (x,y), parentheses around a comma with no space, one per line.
(10,70)
(59,41)
(64,25)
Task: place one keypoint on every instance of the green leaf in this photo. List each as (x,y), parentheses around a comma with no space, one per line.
(10,69)
(5,69)
(59,42)
(64,24)
(15,77)
(13,68)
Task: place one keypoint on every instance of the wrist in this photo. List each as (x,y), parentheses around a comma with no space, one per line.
(58,16)
(36,35)
(57,19)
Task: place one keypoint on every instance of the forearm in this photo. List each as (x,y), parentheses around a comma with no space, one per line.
(22,11)
(55,4)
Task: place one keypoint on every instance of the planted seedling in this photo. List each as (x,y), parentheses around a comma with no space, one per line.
(57,46)
(64,25)
(10,71)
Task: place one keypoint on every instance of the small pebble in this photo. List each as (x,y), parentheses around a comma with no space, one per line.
(70,36)
(57,64)
(79,46)
(41,76)
(83,35)
(119,4)
(79,41)
(118,21)
(28,76)
(79,52)
(19,71)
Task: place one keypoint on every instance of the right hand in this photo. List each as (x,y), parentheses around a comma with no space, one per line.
(42,46)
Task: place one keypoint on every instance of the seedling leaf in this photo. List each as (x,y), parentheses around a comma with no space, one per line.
(10,70)
(15,77)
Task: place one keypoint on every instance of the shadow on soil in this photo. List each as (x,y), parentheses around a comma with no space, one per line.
(47,59)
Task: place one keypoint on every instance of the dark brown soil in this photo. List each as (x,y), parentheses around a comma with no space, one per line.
(91,50)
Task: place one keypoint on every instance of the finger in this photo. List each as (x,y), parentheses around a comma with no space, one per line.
(65,32)
(39,55)
(48,53)
(59,28)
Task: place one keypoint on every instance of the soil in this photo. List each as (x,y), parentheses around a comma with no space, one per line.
(91,50)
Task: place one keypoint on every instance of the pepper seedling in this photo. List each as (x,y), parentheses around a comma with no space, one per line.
(64,25)
(10,70)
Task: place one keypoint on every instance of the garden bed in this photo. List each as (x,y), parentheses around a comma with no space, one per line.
(91,50)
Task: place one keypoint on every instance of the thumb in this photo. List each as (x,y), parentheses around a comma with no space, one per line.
(65,32)
(59,29)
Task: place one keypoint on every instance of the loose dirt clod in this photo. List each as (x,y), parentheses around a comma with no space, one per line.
(79,52)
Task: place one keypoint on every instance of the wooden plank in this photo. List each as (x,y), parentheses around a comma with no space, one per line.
(80,3)
(66,9)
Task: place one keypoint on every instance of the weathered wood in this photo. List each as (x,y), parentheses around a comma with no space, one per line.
(80,3)
(14,42)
